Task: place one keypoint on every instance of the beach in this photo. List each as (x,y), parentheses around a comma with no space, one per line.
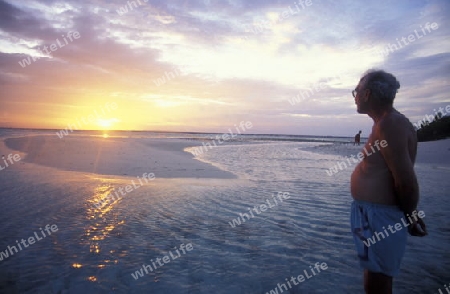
(116,156)
(133,242)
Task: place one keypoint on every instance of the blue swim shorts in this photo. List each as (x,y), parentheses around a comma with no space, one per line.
(379,250)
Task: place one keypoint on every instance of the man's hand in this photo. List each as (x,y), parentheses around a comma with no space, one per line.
(418,228)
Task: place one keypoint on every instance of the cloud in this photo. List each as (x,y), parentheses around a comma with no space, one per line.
(217,68)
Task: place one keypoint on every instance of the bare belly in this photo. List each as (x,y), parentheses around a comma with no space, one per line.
(373,183)
(372,180)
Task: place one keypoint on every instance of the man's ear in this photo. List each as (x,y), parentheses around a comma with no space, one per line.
(366,95)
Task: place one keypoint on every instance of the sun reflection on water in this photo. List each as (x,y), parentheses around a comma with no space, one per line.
(104,221)
(102,215)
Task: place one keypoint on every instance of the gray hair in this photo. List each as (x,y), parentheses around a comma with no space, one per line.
(383,85)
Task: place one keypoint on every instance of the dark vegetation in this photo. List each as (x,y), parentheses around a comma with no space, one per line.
(437,129)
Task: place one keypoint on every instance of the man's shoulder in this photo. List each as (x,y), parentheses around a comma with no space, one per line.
(396,126)
(395,121)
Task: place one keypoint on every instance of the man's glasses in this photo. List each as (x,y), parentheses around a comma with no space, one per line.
(354,92)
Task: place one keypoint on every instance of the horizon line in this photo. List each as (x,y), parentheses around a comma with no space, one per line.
(182,132)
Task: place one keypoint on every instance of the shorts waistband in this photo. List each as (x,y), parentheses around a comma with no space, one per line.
(378,205)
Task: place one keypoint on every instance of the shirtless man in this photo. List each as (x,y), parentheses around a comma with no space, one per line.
(384,185)
(357,139)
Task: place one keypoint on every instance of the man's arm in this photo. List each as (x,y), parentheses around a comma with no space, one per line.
(397,157)
(401,165)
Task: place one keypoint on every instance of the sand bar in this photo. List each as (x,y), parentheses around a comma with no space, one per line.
(116,156)
(433,152)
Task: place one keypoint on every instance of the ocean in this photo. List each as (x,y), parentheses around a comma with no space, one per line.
(140,243)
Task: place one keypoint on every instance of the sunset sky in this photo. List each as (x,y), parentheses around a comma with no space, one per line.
(208,65)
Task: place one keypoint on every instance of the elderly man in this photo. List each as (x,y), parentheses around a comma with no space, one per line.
(384,185)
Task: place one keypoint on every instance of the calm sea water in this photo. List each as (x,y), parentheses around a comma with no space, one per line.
(97,250)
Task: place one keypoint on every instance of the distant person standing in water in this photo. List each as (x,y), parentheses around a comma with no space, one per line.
(357,138)
(384,185)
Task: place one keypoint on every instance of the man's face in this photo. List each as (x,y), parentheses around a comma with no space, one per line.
(361,99)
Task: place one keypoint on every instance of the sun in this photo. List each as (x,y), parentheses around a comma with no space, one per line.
(106,124)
